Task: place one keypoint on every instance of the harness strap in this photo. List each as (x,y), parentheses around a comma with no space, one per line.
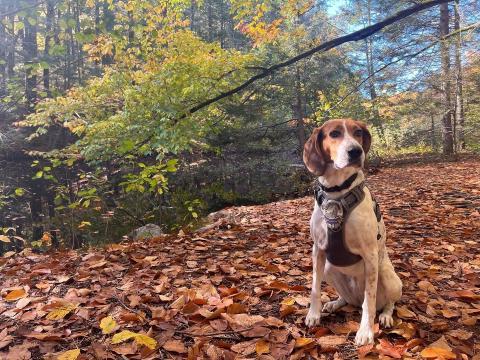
(335,213)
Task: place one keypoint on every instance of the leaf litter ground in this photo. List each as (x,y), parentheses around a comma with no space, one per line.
(238,288)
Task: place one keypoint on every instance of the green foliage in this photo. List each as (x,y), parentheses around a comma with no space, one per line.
(150,178)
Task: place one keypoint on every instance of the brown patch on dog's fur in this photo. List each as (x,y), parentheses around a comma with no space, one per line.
(321,148)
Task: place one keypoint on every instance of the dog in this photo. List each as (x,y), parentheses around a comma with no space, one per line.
(335,153)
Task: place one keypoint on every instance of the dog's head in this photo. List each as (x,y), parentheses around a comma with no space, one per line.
(342,142)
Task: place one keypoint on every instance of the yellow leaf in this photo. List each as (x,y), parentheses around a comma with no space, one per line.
(140,339)
(146,340)
(15,295)
(301,342)
(262,347)
(108,324)
(123,336)
(288,301)
(437,353)
(61,311)
(4,238)
(69,355)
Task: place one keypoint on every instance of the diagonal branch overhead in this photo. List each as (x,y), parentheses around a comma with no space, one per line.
(354,36)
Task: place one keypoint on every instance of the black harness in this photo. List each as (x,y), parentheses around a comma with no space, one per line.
(335,212)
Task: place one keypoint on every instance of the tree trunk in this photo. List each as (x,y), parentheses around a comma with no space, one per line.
(48,36)
(3,55)
(31,51)
(109,22)
(371,74)
(298,110)
(36,210)
(432,130)
(11,49)
(447,130)
(459,109)
(210,20)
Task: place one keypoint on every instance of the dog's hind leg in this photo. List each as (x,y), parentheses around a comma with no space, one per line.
(385,318)
(332,306)
(389,292)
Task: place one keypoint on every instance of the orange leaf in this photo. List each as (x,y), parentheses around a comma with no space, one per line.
(262,347)
(437,353)
(15,295)
(301,342)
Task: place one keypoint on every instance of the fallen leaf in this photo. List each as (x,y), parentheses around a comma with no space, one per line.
(16,294)
(262,347)
(404,329)
(385,347)
(122,336)
(61,310)
(460,334)
(331,342)
(344,328)
(449,313)
(437,353)
(176,346)
(301,342)
(69,355)
(146,340)
(405,313)
(245,348)
(464,294)
(108,325)
(364,350)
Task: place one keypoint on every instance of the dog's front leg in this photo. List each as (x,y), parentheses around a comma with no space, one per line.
(315,310)
(365,333)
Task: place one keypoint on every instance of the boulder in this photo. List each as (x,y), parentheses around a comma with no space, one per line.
(146,231)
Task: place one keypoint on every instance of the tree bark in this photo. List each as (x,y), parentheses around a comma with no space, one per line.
(31,51)
(447,130)
(3,55)
(459,108)
(298,110)
(48,37)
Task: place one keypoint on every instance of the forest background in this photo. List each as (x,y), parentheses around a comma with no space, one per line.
(98,135)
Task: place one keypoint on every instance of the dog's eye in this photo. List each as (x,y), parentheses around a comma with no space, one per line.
(358,133)
(335,134)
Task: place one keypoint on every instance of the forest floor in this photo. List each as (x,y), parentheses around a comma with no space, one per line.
(239,288)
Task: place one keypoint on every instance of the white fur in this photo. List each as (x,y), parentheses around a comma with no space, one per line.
(371,283)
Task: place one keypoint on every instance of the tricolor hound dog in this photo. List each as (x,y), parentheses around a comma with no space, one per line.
(347,229)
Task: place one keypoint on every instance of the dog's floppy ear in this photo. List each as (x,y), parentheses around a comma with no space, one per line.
(366,137)
(313,156)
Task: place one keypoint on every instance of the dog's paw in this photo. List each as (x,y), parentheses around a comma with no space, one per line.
(313,318)
(332,306)
(364,335)
(385,320)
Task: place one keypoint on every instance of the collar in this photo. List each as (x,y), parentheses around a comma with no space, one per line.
(345,185)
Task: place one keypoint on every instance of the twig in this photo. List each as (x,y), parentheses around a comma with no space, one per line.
(129,308)
(227,332)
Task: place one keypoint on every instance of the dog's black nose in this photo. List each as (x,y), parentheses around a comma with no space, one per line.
(355,153)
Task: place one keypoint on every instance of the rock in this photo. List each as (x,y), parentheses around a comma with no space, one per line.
(146,231)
